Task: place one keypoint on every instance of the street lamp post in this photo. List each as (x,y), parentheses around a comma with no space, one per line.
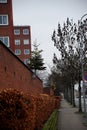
(83,27)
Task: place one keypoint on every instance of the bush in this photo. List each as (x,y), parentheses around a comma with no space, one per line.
(13,111)
(19,111)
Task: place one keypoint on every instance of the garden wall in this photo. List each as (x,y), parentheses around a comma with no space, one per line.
(15,74)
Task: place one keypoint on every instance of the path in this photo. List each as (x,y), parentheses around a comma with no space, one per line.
(69,119)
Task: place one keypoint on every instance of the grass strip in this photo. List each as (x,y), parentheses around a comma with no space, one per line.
(51,123)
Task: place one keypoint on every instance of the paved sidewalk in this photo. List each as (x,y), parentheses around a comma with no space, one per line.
(69,119)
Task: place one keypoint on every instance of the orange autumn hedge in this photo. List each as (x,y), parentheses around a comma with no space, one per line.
(19,111)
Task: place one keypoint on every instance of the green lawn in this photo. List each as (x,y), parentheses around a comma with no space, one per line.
(51,124)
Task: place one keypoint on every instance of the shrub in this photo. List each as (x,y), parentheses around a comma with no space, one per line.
(20,111)
(13,111)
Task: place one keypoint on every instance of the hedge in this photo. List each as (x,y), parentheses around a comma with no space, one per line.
(19,111)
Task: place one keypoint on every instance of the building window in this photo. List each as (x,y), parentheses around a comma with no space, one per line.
(26,51)
(17,42)
(17,52)
(25,31)
(3,1)
(26,41)
(17,31)
(5,40)
(3,19)
(26,61)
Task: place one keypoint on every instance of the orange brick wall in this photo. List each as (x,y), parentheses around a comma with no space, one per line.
(15,74)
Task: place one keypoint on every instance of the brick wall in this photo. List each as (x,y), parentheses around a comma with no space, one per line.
(48,90)
(15,74)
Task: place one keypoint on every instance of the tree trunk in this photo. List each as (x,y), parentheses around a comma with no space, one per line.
(73,97)
(35,71)
(71,94)
(80,106)
(67,94)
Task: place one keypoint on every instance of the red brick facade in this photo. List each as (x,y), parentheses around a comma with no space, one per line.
(15,74)
(22,47)
(48,90)
(7,30)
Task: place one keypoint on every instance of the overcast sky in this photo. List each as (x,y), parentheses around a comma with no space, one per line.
(43,17)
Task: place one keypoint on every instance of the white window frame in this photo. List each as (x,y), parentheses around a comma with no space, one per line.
(3,1)
(25,31)
(17,52)
(2,19)
(17,41)
(17,31)
(26,51)
(26,41)
(26,61)
(2,38)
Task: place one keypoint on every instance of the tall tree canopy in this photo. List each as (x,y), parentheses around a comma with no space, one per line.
(67,39)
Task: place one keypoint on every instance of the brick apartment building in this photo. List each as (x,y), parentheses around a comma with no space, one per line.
(13,72)
(6,23)
(22,41)
(17,38)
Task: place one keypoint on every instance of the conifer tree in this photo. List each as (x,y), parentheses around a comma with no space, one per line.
(36,61)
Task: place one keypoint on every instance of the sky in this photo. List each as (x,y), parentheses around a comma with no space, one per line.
(43,16)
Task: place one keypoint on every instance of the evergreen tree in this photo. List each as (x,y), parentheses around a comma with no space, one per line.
(36,61)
